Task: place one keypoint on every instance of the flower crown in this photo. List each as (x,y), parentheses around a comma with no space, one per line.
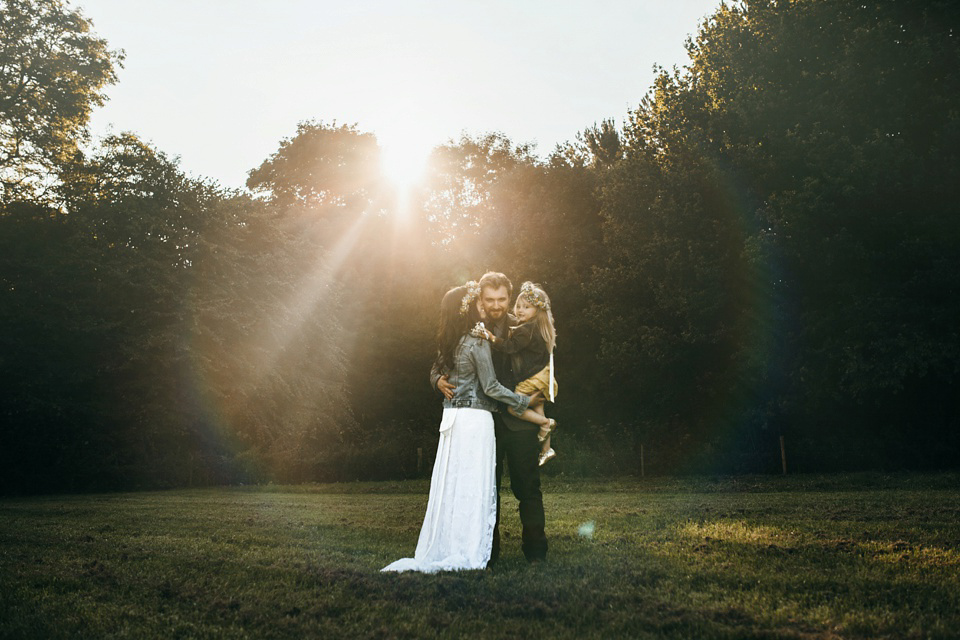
(533,295)
(473,292)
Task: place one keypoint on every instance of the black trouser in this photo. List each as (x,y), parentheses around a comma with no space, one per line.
(521,450)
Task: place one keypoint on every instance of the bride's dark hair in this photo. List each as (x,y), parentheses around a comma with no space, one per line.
(453,325)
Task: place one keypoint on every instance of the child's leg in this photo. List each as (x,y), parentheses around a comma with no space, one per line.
(535,406)
(533,415)
(546,427)
(545,446)
(546,452)
(544,437)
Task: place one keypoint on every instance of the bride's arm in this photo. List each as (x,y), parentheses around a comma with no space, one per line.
(483,362)
(439,381)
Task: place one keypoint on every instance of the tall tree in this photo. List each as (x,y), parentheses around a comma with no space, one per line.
(808,146)
(53,70)
(163,333)
(330,169)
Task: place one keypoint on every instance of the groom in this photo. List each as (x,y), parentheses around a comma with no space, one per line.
(516,439)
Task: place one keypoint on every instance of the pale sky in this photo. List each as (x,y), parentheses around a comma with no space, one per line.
(220,82)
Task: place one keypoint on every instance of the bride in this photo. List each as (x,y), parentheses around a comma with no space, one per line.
(457,530)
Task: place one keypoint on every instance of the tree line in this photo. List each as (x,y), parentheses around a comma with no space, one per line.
(766,247)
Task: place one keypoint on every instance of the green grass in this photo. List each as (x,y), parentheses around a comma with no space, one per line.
(860,556)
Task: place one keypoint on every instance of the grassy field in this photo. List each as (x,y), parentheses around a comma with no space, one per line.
(860,556)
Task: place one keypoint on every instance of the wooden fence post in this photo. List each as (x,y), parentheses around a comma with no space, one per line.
(783,455)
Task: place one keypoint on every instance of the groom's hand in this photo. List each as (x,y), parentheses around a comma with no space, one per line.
(444,387)
(536,398)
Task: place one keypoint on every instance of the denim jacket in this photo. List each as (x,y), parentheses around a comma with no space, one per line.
(476,383)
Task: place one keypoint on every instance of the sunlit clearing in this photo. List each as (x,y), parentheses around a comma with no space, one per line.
(737,531)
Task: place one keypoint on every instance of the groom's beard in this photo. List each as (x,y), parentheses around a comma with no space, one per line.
(495,319)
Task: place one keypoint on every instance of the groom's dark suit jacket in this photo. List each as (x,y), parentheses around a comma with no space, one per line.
(502,365)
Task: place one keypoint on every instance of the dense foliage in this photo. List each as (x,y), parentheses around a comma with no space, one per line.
(52,73)
(786,217)
(767,248)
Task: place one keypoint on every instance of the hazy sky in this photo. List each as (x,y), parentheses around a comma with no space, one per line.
(220,82)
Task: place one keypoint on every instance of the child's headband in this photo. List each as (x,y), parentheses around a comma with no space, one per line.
(534,296)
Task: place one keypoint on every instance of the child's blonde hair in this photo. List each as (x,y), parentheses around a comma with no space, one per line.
(538,298)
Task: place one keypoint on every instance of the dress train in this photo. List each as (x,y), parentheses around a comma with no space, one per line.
(457,530)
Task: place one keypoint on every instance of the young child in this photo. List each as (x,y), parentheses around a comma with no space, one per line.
(531,347)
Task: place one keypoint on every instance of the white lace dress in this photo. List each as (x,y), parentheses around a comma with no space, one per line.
(457,530)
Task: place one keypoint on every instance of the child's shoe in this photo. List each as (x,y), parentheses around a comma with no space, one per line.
(546,457)
(547,430)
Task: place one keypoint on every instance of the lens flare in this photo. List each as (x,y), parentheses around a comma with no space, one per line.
(586,529)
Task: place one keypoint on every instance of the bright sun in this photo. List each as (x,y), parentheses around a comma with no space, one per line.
(403,160)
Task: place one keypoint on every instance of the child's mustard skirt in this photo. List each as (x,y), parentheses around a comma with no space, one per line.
(538,382)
